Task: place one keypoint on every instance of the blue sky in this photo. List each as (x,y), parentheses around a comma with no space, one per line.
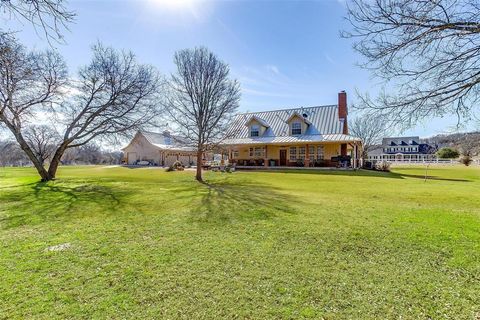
(284,53)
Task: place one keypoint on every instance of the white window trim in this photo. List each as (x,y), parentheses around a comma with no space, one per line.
(256,152)
(292,128)
(258,130)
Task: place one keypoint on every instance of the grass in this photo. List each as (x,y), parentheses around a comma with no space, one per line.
(150,244)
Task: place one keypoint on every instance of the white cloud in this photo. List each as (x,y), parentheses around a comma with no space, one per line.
(264,93)
(329,59)
(273,69)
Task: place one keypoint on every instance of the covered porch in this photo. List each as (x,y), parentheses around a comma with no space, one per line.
(328,155)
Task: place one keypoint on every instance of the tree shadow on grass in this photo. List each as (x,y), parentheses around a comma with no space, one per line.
(229,201)
(364,173)
(53,200)
(419,176)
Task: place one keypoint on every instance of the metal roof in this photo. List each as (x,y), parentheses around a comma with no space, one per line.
(337,137)
(324,125)
(164,138)
(166,141)
(323,119)
(404,141)
(261,121)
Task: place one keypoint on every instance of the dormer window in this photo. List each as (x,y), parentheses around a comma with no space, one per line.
(296,128)
(254,130)
(256,126)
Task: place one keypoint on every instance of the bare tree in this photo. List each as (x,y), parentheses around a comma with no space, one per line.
(113,95)
(370,129)
(202,99)
(42,140)
(11,154)
(50,16)
(28,82)
(426,52)
(469,145)
(91,153)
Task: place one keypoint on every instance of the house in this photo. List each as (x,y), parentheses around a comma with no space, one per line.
(161,149)
(402,149)
(299,137)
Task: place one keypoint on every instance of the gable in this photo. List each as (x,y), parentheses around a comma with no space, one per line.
(138,142)
(258,121)
(261,125)
(298,117)
(145,139)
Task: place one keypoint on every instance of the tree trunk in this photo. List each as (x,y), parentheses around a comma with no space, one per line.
(52,168)
(198,176)
(31,155)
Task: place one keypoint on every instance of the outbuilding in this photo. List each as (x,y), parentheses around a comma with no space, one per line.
(161,149)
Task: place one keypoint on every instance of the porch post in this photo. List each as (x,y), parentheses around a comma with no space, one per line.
(265,157)
(307,156)
(354,155)
(360,154)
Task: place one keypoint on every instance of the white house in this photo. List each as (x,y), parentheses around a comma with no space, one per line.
(402,149)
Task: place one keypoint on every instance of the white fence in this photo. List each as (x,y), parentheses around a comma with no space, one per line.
(426,161)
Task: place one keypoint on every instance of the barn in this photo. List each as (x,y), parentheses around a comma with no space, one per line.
(161,149)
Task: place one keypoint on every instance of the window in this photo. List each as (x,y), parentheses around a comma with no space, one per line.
(259,152)
(254,130)
(296,128)
(301,153)
(319,152)
(293,153)
(235,154)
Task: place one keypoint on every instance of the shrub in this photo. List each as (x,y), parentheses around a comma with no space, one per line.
(466,160)
(382,166)
(229,168)
(448,153)
(177,165)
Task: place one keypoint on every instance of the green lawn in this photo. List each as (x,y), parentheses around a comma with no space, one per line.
(150,244)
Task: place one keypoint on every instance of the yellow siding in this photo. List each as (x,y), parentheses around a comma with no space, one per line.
(273,151)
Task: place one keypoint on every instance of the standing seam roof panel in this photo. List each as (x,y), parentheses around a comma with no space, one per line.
(324,120)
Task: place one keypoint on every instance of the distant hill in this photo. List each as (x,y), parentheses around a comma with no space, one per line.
(456,141)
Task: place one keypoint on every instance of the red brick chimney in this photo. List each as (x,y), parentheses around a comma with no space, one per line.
(343,110)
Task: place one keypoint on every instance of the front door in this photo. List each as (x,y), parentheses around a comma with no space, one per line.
(283,157)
